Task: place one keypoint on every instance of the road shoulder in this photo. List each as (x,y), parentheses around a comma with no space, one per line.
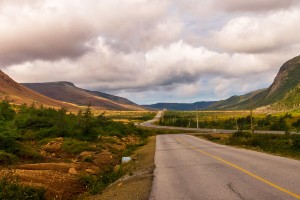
(137,185)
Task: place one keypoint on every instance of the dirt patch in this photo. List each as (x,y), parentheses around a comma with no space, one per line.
(61,167)
(58,185)
(60,171)
(137,185)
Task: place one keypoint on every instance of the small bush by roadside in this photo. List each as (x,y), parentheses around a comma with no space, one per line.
(97,183)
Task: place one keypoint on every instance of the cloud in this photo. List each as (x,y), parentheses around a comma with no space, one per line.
(260,33)
(178,67)
(53,30)
(150,50)
(253,5)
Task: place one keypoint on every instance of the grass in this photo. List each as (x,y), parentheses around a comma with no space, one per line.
(10,188)
(131,148)
(74,146)
(279,121)
(130,116)
(97,183)
(287,145)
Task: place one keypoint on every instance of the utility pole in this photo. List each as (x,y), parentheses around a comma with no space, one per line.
(251,116)
(197,117)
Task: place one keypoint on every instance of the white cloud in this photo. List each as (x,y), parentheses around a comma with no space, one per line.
(150,50)
(261,33)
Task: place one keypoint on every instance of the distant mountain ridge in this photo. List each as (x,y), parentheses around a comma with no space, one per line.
(68,92)
(181,106)
(283,94)
(19,94)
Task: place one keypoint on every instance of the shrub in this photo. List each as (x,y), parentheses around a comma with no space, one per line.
(242,134)
(280,125)
(10,188)
(29,153)
(9,144)
(6,111)
(97,183)
(75,146)
(7,158)
(296,144)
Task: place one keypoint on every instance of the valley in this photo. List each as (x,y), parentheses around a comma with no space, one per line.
(58,141)
(149,100)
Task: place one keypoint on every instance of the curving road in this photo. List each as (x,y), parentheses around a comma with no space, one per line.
(190,168)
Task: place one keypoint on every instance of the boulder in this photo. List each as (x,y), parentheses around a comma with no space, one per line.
(73,171)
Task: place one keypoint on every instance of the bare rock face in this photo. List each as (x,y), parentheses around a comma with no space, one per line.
(283,74)
(73,171)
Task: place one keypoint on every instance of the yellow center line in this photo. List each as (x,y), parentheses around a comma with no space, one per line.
(243,170)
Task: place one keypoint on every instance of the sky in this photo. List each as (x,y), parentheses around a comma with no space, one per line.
(150,50)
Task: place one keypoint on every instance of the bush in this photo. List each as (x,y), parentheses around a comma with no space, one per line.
(97,183)
(9,144)
(29,153)
(280,125)
(296,144)
(75,146)
(10,188)
(6,111)
(242,134)
(7,158)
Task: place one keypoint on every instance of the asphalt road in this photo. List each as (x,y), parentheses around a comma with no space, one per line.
(149,124)
(191,168)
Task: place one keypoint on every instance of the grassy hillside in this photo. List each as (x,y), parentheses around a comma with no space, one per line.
(291,101)
(282,94)
(235,102)
(18,94)
(68,92)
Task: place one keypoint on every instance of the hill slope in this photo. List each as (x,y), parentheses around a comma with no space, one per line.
(282,94)
(235,102)
(68,92)
(182,106)
(19,94)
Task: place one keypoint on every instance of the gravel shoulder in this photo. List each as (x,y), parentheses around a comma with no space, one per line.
(137,185)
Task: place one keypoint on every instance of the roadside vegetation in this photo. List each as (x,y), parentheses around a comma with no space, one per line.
(130,116)
(287,145)
(93,144)
(233,120)
(10,188)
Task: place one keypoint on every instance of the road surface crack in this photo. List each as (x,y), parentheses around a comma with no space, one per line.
(230,186)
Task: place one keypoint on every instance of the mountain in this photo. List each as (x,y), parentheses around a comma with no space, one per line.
(283,94)
(291,101)
(68,92)
(181,106)
(234,102)
(19,94)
